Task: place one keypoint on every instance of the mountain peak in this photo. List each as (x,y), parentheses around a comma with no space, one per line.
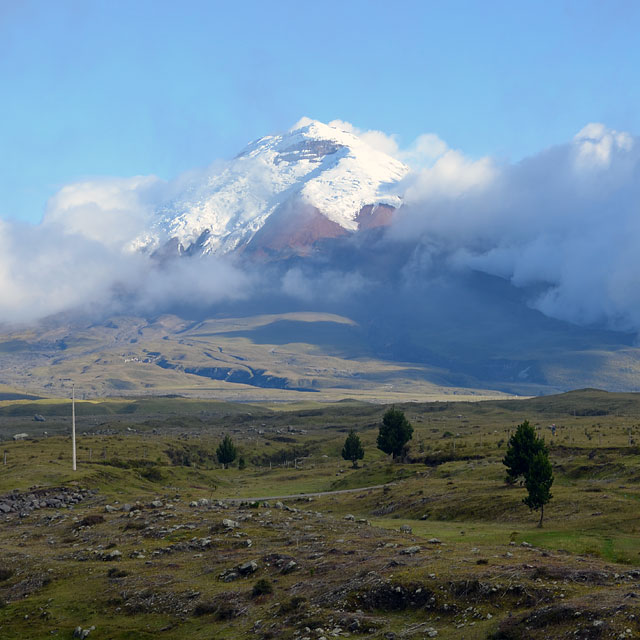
(308,123)
(311,128)
(313,181)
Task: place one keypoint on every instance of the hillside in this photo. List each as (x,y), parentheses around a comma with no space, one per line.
(283,356)
(166,543)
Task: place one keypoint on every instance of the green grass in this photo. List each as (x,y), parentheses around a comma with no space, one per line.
(591,521)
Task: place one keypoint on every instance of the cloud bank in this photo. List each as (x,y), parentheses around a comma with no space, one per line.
(563,224)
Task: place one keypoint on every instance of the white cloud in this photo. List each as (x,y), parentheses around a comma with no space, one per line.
(426,148)
(376,139)
(595,144)
(451,175)
(44,271)
(111,211)
(564,223)
(80,257)
(437,170)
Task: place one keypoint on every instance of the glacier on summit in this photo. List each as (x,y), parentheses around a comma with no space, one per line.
(315,176)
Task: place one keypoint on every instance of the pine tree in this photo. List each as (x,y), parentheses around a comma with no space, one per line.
(538,481)
(522,447)
(226,452)
(394,433)
(353,449)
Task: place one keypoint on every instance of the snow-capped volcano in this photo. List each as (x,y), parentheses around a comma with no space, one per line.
(284,192)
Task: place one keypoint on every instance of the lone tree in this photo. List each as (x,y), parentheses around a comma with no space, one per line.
(523,445)
(226,452)
(353,449)
(394,433)
(538,481)
(527,456)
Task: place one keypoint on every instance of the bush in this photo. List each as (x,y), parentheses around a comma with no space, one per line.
(5,573)
(205,608)
(222,608)
(153,474)
(90,521)
(261,588)
(292,605)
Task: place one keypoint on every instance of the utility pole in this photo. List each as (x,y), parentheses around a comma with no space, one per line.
(73,424)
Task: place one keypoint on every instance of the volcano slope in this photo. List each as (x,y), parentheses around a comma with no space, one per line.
(150,538)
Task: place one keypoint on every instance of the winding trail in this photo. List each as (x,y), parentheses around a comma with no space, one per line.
(316,494)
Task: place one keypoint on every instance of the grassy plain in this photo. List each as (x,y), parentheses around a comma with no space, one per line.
(474,564)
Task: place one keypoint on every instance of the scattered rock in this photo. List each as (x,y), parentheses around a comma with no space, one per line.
(411,550)
(227,523)
(247,568)
(24,503)
(291,566)
(239,571)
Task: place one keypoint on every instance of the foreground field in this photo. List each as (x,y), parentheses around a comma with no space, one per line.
(150,538)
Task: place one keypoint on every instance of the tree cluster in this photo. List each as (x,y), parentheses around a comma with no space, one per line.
(393,435)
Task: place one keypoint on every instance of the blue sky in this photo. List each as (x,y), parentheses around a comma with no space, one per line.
(119,88)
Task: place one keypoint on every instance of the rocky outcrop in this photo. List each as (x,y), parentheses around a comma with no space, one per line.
(24,503)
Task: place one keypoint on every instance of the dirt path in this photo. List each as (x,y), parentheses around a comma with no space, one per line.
(317,494)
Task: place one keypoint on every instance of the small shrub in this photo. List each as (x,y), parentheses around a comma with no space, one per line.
(262,587)
(205,608)
(90,521)
(5,573)
(292,605)
(153,474)
(221,608)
